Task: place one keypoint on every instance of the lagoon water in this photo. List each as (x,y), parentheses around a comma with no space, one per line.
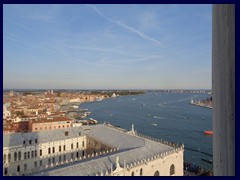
(162,115)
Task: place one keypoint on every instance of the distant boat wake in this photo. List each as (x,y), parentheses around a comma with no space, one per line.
(174,101)
(157,117)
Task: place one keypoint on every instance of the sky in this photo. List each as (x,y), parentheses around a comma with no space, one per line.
(100,46)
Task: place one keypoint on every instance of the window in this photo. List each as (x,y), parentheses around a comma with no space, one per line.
(40,152)
(28,154)
(32,154)
(49,161)
(30,141)
(18,168)
(132,173)
(71,155)
(4,158)
(64,148)
(49,150)
(36,141)
(64,158)
(79,133)
(40,163)
(35,164)
(24,142)
(25,155)
(53,149)
(77,144)
(9,157)
(172,170)
(141,172)
(15,156)
(5,171)
(35,153)
(156,173)
(71,146)
(77,154)
(66,133)
(53,160)
(83,144)
(35,128)
(60,158)
(60,148)
(83,153)
(19,155)
(25,167)
(59,127)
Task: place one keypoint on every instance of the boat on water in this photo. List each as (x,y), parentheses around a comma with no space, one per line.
(154,124)
(143,104)
(208,132)
(75,107)
(161,105)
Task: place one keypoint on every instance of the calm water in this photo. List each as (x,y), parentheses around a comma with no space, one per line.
(176,120)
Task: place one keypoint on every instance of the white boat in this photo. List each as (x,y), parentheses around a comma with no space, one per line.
(154,124)
(75,107)
(114,95)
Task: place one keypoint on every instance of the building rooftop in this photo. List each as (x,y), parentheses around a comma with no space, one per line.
(131,149)
(52,119)
(16,139)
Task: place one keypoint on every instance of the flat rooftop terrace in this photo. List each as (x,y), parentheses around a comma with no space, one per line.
(131,149)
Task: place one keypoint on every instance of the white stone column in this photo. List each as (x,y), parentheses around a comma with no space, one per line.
(223,84)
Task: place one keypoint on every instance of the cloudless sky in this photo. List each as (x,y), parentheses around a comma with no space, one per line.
(107,46)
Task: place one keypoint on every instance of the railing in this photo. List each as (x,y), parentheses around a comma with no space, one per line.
(75,160)
(172,144)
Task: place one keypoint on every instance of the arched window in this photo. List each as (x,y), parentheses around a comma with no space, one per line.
(19,155)
(4,158)
(141,172)
(172,170)
(83,144)
(9,157)
(156,173)
(15,156)
(132,173)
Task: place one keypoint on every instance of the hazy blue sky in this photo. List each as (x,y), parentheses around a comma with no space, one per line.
(107,46)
